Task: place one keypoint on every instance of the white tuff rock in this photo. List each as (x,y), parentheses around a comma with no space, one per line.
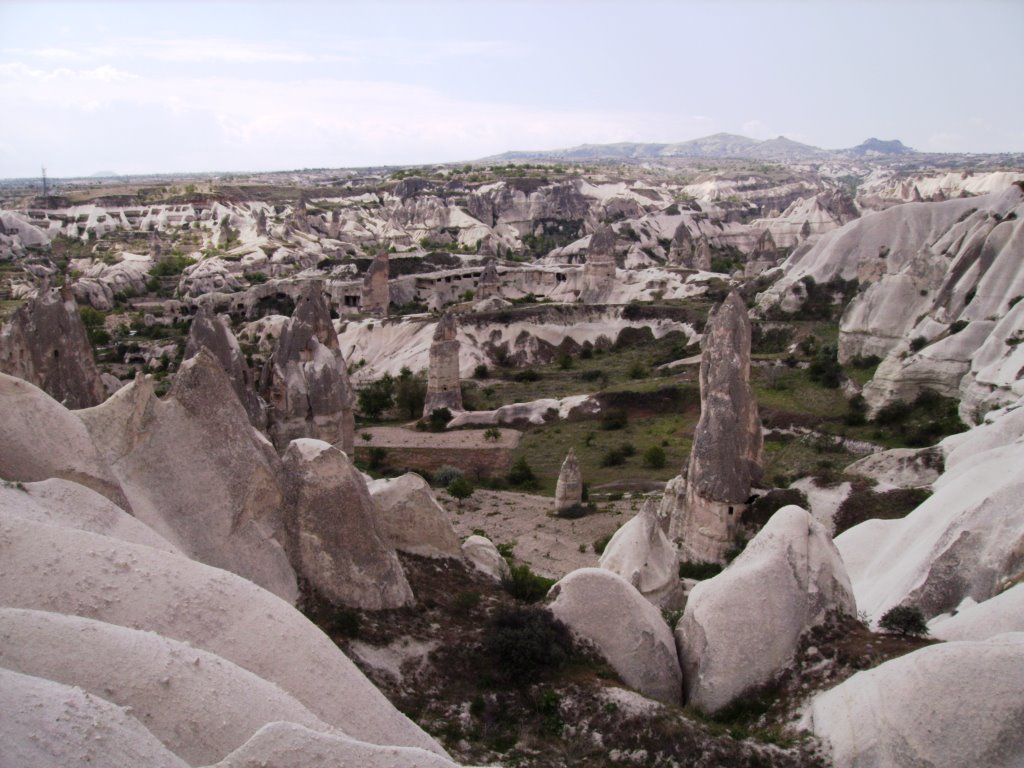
(641,553)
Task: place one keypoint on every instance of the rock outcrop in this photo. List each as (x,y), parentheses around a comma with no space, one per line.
(641,553)
(213,333)
(569,487)
(481,553)
(490,282)
(411,518)
(333,534)
(705,504)
(964,541)
(945,706)
(981,621)
(45,343)
(606,610)
(443,370)
(376,296)
(306,382)
(42,439)
(195,470)
(743,626)
(599,270)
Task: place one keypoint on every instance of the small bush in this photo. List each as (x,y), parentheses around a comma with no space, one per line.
(591,375)
(524,643)
(439,418)
(523,584)
(481,372)
(958,326)
(460,489)
(376,457)
(826,369)
(698,570)
(918,343)
(637,371)
(526,376)
(574,512)
(492,434)
(466,602)
(446,474)
(654,457)
(565,362)
(613,458)
(521,474)
(614,419)
(599,544)
(904,620)
(758,513)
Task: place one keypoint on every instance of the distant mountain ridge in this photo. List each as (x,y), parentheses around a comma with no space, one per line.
(715,146)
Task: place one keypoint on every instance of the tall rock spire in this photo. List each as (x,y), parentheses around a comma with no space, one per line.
(569,488)
(443,371)
(705,504)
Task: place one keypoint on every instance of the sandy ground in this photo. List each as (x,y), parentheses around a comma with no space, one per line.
(550,545)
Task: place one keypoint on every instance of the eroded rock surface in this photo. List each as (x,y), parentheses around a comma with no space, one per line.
(45,343)
(443,371)
(641,553)
(484,556)
(412,519)
(569,487)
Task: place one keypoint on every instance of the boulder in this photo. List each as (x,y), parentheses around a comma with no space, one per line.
(705,504)
(334,536)
(485,557)
(603,608)
(944,706)
(64,570)
(743,626)
(569,488)
(213,333)
(42,439)
(411,518)
(641,553)
(46,724)
(45,343)
(306,381)
(195,470)
(199,705)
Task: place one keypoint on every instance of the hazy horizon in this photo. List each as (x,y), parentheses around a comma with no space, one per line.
(189,87)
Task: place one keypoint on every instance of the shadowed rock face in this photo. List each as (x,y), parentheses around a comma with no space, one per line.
(599,270)
(569,488)
(334,537)
(306,381)
(45,343)
(213,333)
(443,371)
(705,505)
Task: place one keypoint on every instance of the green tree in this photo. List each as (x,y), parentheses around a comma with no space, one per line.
(460,488)
(376,397)
(654,457)
(905,620)
(410,392)
(439,418)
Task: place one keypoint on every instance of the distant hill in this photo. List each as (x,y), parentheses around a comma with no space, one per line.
(717,146)
(879,147)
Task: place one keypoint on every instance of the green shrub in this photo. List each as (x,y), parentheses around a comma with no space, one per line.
(918,343)
(526,376)
(904,620)
(654,457)
(574,512)
(460,489)
(481,372)
(615,418)
(601,543)
(492,434)
(865,504)
(958,326)
(825,368)
(524,643)
(439,418)
(172,265)
(446,474)
(698,570)
(758,513)
(376,457)
(521,474)
(523,584)
(466,602)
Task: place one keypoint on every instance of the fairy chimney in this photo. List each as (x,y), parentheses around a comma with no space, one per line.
(375,295)
(704,505)
(569,488)
(443,370)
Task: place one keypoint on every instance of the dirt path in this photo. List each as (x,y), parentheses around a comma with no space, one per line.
(550,545)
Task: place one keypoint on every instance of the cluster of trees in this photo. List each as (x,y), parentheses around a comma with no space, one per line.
(407,393)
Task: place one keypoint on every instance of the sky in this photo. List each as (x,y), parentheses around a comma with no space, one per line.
(157,87)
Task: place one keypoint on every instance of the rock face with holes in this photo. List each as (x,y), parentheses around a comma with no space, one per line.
(946,706)
(443,370)
(45,343)
(306,381)
(333,535)
(641,553)
(376,295)
(569,488)
(743,626)
(605,609)
(705,504)
(214,334)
